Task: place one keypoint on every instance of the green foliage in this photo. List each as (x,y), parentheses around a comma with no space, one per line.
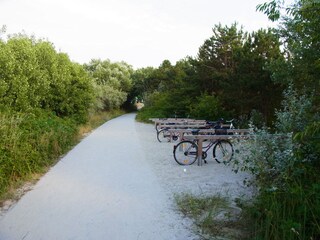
(110,98)
(168,90)
(272,9)
(216,59)
(233,72)
(288,214)
(158,107)
(285,168)
(31,142)
(252,86)
(34,75)
(112,83)
(287,206)
(206,107)
(295,109)
(300,33)
(142,83)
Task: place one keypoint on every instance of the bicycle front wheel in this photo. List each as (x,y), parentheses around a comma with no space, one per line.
(223,151)
(185,153)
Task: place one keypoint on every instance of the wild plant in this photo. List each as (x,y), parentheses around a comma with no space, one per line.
(285,172)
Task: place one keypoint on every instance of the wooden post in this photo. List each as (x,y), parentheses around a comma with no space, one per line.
(200,141)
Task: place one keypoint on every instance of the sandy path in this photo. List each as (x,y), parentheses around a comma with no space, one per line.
(118,183)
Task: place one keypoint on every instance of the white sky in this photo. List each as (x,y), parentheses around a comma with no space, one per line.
(141,32)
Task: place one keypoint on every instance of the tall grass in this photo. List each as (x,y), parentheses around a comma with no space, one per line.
(288,214)
(29,142)
(98,118)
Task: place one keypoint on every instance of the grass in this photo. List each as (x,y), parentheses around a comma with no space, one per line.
(215,217)
(97,119)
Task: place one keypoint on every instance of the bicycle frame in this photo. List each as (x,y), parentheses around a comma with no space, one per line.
(205,149)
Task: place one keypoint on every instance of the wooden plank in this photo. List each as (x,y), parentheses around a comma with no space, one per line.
(182,132)
(181,126)
(213,137)
(171,119)
(161,122)
(210,130)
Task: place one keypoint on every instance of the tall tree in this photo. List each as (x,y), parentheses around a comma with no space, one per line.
(216,57)
(112,82)
(251,86)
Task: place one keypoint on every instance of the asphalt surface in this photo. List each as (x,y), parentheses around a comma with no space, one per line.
(104,188)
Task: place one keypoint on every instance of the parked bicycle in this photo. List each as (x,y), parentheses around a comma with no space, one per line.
(186,152)
(165,136)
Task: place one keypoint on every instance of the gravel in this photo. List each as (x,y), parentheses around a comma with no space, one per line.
(210,178)
(118,183)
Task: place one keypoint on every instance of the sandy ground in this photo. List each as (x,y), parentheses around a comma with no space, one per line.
(118,183)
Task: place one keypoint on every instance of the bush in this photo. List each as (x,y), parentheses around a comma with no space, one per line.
(31,142)
(206,107)
(34,75)
(286,170)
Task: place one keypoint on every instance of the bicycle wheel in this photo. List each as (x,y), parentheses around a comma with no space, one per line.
(163,135)
(185,152)
(158,127)
(223,151)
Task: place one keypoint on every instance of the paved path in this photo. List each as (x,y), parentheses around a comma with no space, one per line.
(103,189)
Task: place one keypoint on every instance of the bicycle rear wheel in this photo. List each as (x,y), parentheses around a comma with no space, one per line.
(185,152)
(223,151)
(163,135)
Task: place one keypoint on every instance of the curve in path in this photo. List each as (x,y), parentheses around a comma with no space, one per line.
(102,189)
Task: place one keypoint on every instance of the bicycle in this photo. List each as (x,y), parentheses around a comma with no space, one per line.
(186,152)
(164,136)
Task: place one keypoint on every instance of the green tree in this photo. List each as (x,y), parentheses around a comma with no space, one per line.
(19,74)
(300,33)
(216,57)
(235,67)
(33,75)
(251,86)
(112,82)
(142,83)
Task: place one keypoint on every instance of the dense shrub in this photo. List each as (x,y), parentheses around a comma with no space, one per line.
(286,168)
(207,107)
(34,75)
(31,141)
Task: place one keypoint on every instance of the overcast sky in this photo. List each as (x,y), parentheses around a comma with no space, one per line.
(140,32)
